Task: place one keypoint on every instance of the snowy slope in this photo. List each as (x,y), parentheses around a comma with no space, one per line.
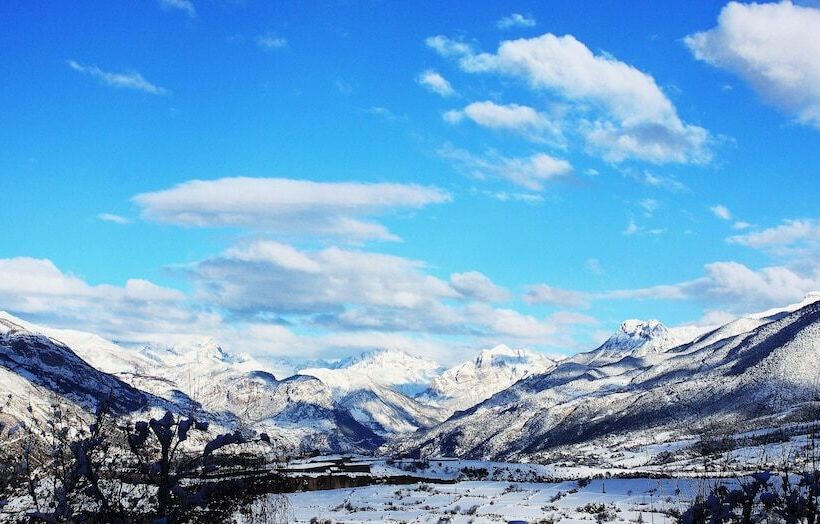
(756,378)
(474,381)
(46,368)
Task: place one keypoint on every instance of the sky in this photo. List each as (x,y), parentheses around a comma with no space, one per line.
(315,180)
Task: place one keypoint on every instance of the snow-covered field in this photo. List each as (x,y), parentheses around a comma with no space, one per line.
(612,500)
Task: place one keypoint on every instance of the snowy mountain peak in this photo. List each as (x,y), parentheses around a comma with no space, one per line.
(503,355)
(643,329)
(392,368)
(390,357)
(634,337)
(488,373)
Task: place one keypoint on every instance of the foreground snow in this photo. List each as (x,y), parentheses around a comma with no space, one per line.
(622,500)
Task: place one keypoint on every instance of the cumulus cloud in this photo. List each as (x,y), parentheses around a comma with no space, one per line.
(39,289)
(348,290)
(721,211)
(185,6)
(131,80)
(433,81)
(477,286)
(281,301)
(544,294)
(270,277)
(633,117)
(774,48)
(510,117)
(287,206)
(515,20)
(528,172)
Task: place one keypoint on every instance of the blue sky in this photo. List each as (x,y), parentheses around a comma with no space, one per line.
(536,172)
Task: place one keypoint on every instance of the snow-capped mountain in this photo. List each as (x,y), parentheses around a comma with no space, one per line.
(395,369)
(36,370)
(197,377)
(763,377)
(376,388)
(636,338)
(476,380)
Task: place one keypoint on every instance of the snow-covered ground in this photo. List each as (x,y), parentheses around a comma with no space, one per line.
(620,500)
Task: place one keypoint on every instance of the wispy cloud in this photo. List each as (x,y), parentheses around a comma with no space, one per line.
(515,20)
(131,80)
(271,41)
(544,294)
(530,172)
(111,217)
(182,5)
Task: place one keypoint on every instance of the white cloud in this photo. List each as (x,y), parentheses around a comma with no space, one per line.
(544,294)
(433,81)
(182,5)
(528,172)
(111,217)
(773,47)
(632,228)
(792,238)
(478,286)
(287,206)
(734,286)
(270,277)
(131,80)
(271,41)
(511,117)
(515,20)
(634,118)
(740,224)
(505,196)
(668,183)
(511,323)
(345,290)
(721,211)
(140,309)
(448,47)
(339,301)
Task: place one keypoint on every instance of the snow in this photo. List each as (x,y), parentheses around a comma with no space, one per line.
(474,381)
(493,501)
(391,368)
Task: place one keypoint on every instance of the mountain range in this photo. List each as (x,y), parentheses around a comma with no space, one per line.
(512,404)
